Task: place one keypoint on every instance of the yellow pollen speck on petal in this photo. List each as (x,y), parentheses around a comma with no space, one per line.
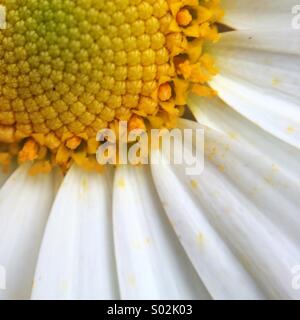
(121,183)
(291,129)
(84,183)
(200,239)
(84,187)
(132,281)
(271,177)
(221,168)
(70,68)
(276,82)
(148,241)
(232,135)
(194,184)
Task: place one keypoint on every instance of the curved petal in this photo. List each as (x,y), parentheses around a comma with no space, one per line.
(259,78)
(242,42)
(25,202)
(221,272)
(247,223)
(260,14)
(215,114)
(273,183)
(76,257)
(151,262)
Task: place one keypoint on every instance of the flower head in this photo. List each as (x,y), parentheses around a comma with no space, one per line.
(150,232)
(70,68)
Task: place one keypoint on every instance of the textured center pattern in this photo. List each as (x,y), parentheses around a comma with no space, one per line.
(69,68)
(76,65)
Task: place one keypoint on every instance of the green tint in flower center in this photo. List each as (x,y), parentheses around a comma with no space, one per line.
(69,68)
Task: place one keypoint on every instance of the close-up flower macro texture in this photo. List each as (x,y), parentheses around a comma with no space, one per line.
(74,228)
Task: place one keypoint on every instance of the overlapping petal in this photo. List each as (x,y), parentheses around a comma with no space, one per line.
(234,197)
(76,260)
(151,262)
(259,78)
(25,202)
(262,14)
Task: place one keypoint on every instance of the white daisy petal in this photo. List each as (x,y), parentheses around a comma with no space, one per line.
(261,83)
(76,257)
(250,44)
(273,184)
(151,262)
(214,113)
(275,54)
(262,14)
(220,271)
(25,202)
(236,191)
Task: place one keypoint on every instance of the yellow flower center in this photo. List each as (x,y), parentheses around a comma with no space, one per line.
(69,68)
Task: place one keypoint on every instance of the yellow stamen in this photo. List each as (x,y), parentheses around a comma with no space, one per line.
(184,18)
(165,92)
(29,152)
(73,143)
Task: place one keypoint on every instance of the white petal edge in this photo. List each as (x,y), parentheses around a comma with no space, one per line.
(259,14)
(151,263)
(273,183)
(265,251)
(214,113)
(259,78)
(220,271)
(76,259)
(25,202)
(275,54)
(272,41)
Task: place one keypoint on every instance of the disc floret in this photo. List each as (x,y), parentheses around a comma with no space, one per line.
(69,68)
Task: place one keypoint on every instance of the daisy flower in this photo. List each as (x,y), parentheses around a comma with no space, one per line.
(71,228)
